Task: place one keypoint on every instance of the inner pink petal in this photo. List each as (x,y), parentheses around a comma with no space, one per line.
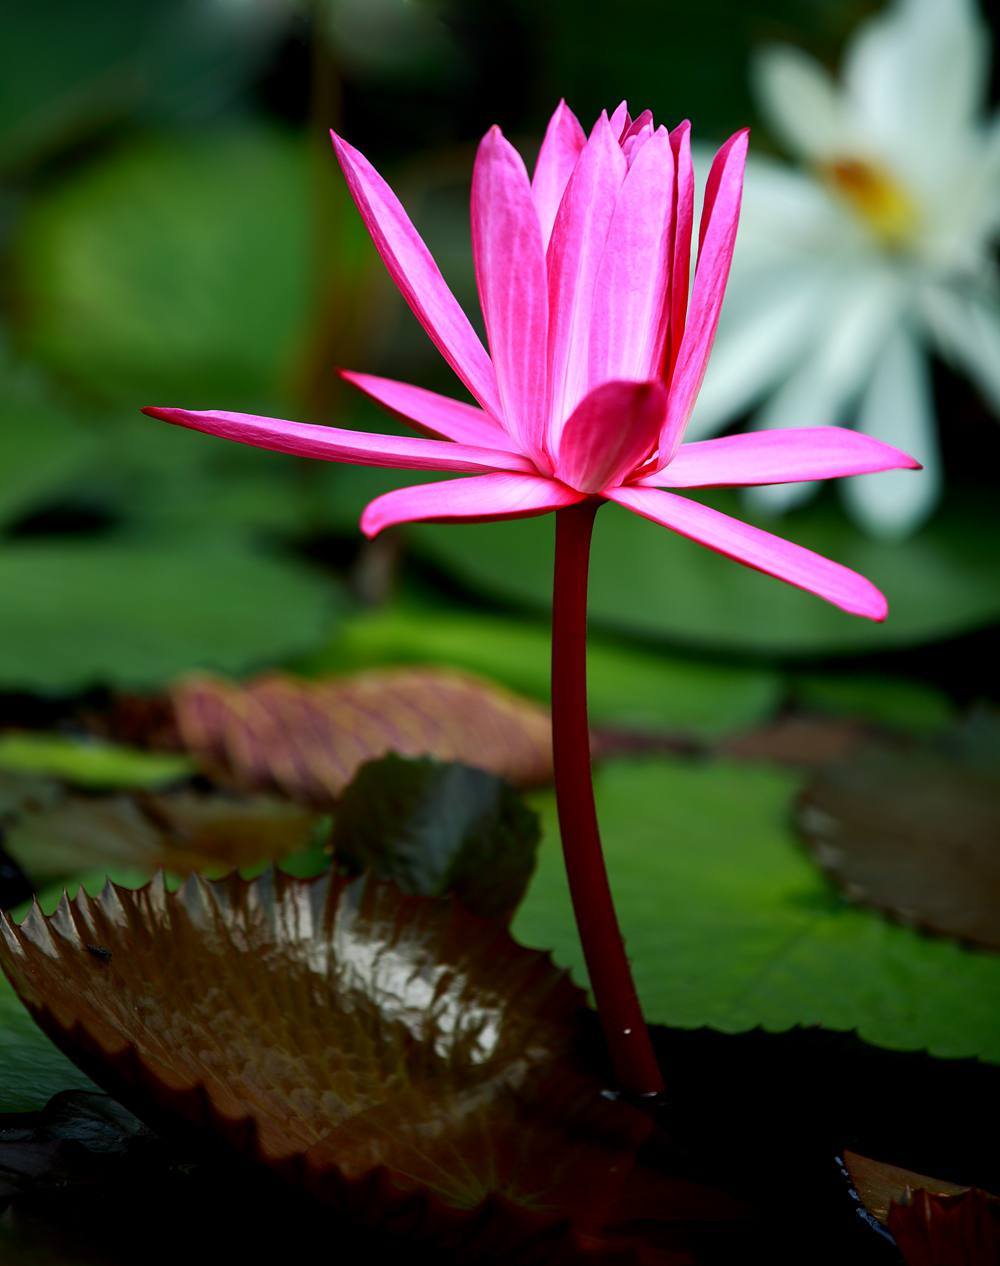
(610,433)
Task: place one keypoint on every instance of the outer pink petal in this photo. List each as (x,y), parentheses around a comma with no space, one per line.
(331,444)
(418,277)
(777,457)
(513,290)
(720,215)
(574,257)
(631,305)
(680,272)
(478,499)
(440,415)
(563,143)
(611,432)
(749,545)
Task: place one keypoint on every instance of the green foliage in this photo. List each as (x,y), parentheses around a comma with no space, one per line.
(629,686)
(728,923)
(647,580)
(89,764)
(135,614)
(436,828)
(31,1068)
(172,273)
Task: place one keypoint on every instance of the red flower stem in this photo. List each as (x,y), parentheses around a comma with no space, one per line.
(607,964)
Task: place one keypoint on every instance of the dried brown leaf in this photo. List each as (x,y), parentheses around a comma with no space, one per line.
(308,738)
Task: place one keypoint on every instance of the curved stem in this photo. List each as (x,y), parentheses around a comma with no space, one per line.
(607,964)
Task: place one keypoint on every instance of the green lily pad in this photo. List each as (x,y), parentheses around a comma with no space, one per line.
(893,701)
(136,614)
(628,687)
(173,273)
(41,446)
(32,1069)
(729,924)
(649,581)
(89,763)
(436,828)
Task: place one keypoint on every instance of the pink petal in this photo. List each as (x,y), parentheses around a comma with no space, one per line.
(331,444)
(680,272)
(475,500)
(719,218)
(757,549)
(620,121)
(631,309)
(563,143)
(418,277)
(574,257)
(779,456)
(440,415)
(513,290)
(610,433)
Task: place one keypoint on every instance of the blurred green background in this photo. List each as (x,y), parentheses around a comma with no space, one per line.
(175,231)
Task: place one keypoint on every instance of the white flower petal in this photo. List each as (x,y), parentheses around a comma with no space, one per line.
(769,319)
(966,330)
(916,76)
(799,99)
(897,408)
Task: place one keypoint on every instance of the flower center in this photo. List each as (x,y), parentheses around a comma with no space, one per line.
(875,195)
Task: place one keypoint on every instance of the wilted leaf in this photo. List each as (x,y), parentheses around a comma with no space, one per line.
(85,763)
(52,832)
(649,581)
(951,1230)
(136,614)
(308,738)
(913,831)
(396,1057)
(729,924)
(629,687)
(436,829)
(880,1185)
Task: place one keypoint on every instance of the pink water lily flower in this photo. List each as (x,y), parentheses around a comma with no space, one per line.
(597,352)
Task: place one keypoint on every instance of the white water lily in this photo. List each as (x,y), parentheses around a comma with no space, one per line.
(875,252)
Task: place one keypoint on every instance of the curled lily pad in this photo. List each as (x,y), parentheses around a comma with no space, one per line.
(913,830)
(394,1056)
(881,1185)
(308,738)
(436,829)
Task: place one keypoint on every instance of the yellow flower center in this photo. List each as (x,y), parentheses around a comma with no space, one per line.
(876,196)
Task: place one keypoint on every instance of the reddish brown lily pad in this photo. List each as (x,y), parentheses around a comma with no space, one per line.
(398,1058)
(307,739)
(947,1230)
(913,830)
(51,831)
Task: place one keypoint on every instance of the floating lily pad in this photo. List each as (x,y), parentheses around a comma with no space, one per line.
(172,271)
(399,1059)
(52,833)
(628,687)
(897,702)
(435,829)
(89,763)
(729,924)
(32,1070)
(80,614)
(646,580)
(41,446)
(914,830)
(308,738)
